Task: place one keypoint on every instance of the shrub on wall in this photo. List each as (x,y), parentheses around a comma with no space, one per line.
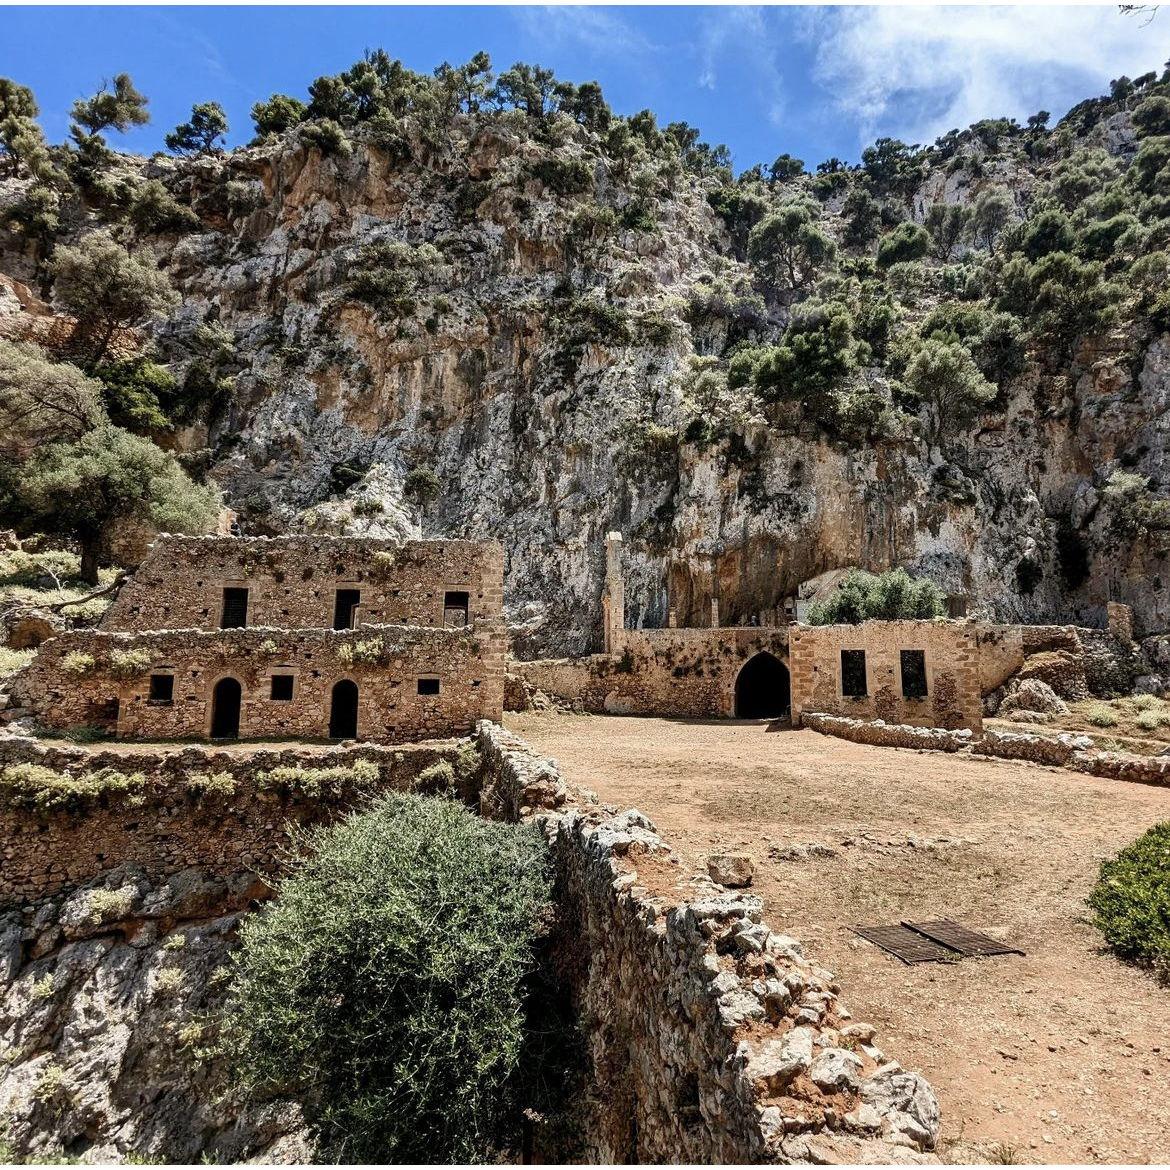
(77,662)
(125,664)
(1131,901)
(418,920)
(890,596)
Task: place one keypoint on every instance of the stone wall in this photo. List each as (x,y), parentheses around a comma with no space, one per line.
(882,734)
(292,581)
(222,812)
(952,697)
(103,679)
(1053,654)
(686,673)
(711,1038)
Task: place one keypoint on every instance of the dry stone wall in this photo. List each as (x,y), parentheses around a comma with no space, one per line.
(413,682)
(292,581)
(951,659)
(712,1039)
(225,813)
(882,734)
(681,673)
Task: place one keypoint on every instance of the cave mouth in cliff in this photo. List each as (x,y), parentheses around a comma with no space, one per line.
(763,689)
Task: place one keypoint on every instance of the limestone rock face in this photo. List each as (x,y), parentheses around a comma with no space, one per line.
(104,998)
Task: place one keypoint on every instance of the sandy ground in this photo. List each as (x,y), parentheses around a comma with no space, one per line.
(1062,1055)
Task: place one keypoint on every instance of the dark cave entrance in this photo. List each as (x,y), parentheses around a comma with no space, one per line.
(763,689)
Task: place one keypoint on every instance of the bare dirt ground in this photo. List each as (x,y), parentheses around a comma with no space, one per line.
(1062,1055)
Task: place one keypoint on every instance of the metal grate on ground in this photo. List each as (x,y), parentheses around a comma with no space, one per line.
(969,943)
(908,945)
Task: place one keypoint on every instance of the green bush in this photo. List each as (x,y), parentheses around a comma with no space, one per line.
(1101,716)
(384,987)
(35,786)
(890,596)
(78,663)
(127,664)
(908,241)
(1131,900)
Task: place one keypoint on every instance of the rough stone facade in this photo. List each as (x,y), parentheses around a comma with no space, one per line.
(684,673)
(713,1039)
(390,666)
(224,813)
(862,672)
(292,582)
(221,637)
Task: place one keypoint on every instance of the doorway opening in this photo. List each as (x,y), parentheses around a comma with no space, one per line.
(343,710)
(763,688)
(225,709)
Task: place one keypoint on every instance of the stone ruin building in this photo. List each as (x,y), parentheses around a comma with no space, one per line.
(289,637)
(922,673)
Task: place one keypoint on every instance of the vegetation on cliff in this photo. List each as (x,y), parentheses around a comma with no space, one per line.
(904,308)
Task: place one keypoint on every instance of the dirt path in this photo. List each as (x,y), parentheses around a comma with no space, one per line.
(1062,1055)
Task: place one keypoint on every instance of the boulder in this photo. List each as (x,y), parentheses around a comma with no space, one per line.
(734,870)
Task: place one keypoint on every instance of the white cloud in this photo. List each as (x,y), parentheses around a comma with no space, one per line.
(596,30)
(915,72)
(741,39)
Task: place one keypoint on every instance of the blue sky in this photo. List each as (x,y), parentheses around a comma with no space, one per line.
(814,82)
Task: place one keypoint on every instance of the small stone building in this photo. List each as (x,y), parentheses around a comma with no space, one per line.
(922,673)
(300,637)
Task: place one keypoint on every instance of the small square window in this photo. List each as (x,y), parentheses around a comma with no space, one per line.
(455,607)
(913,674)
(853,684)
(162,688)
(428,686)
(344,605)
(282,687)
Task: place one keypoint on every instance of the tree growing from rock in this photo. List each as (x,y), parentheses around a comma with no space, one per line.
(947,224)
(43,401)
(788,248)
(107,289)
(202,134)
(890,596)
(278,114)
(22,145)
(944,378)
(990,215)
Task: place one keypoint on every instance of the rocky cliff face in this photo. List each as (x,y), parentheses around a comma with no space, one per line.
(107,1009)
(528,320)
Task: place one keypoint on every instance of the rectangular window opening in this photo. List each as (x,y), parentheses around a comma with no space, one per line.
(428,686)
(235,608)
(162,688)
(282,687)
(853,684)
(913,674)
(344,607)
(455,605)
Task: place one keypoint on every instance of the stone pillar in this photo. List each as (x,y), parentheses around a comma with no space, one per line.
(714,613)
(1120,621)
(671,620)
(614,605)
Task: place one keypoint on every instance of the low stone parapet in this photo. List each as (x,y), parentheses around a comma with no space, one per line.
(1123,766)
(713,1039)
(1039,749)
(882,734)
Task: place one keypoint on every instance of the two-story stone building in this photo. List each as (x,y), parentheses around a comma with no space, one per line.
(300,637)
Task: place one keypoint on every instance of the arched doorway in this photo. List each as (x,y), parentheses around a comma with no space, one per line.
(762,690)
(225,709)
(343,710)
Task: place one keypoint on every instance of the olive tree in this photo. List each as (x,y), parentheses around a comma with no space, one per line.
(944,378)
(43,401)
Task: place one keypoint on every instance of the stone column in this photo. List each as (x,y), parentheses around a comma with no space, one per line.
(614,606)
(1120,621)
(714,613)
(672,620)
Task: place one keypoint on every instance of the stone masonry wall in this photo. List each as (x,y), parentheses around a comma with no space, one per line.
(953,697)
(711,1039)
(98,678)
(684,673)
(292,581)
(883,734)
(176,818)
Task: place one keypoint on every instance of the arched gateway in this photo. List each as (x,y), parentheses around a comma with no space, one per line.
(343,710)
(225,709)
(762,688)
